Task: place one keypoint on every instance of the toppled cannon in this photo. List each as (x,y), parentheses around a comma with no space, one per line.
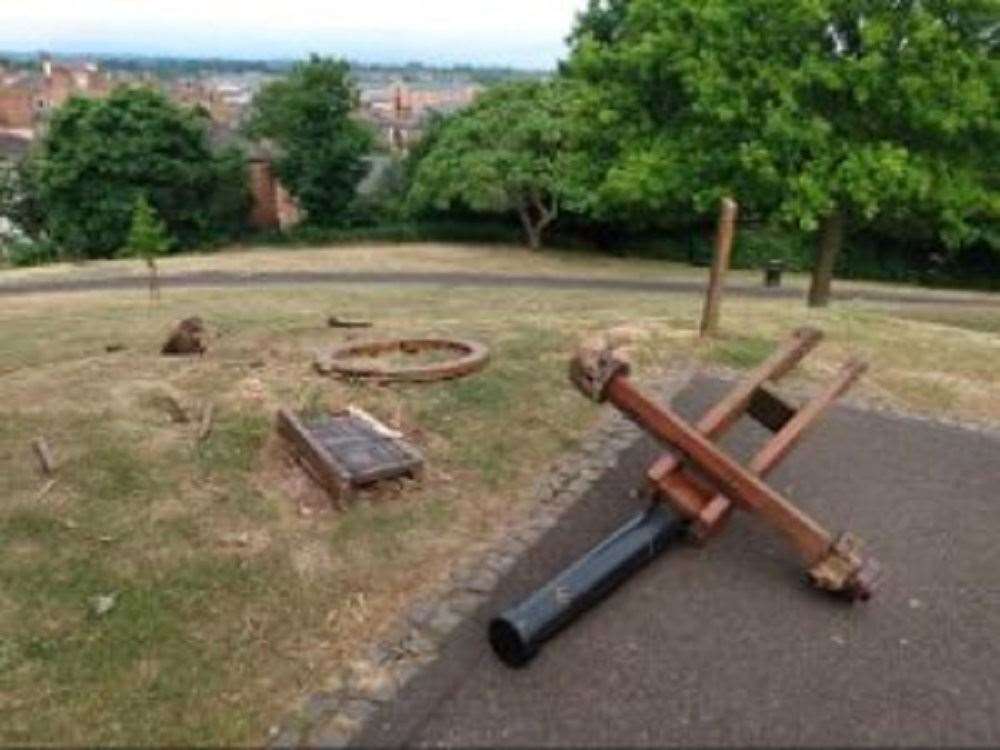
(700,486)
(518,634)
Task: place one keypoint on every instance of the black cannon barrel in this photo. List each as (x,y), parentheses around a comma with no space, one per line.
(518,634)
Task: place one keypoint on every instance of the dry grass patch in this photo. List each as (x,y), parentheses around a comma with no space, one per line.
(237,590)
(417,257)
(431,257)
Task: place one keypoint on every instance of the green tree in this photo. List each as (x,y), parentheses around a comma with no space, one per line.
(602,21)
(100,155)
(431,133)
(514,151)
(822,114)
(321,147)
(148,239)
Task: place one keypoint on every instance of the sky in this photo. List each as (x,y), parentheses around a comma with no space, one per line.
(521,33)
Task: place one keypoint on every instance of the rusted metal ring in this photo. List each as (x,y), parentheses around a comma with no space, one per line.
(470,357)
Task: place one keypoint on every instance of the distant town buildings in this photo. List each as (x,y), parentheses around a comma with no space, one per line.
(216,101)
(26,97)
(398,111)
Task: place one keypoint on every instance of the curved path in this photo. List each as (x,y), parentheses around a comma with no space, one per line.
(286,278)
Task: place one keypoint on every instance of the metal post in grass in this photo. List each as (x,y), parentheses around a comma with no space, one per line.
(720,266)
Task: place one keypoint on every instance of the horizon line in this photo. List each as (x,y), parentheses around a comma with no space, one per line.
(38,53)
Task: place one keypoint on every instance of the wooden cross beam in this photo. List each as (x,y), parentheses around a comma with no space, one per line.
(704,484)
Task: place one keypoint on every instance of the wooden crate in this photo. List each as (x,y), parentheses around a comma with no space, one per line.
(344,452)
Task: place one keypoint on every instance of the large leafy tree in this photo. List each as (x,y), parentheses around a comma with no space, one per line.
(819,113)
(321,146)
(100,156)
(516,150)
(601,21)
(431,132)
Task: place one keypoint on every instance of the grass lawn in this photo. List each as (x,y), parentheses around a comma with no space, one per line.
(234,594)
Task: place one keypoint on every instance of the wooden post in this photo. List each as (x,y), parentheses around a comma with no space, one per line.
(207,422)
(43,452)
(720,266)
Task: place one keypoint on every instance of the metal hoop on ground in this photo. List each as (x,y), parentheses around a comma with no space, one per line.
(470,357)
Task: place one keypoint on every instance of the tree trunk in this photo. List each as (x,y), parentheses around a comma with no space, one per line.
(531,231)
(154,280)
(831,240)
(536,216)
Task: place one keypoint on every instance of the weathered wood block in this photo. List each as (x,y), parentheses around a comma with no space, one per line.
(344,452)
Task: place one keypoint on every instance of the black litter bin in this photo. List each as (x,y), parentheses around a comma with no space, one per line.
(773,271)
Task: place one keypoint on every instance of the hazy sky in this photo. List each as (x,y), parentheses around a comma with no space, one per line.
(526,33)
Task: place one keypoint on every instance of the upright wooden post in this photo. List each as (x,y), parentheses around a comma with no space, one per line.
(720,266)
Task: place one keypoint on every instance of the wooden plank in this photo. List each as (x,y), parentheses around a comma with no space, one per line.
(810,540)
(724,414)
(715,514)
(806,418)
(207,422)
(363,453)
(326,471)
(46,459)
(684,494)
(344,452)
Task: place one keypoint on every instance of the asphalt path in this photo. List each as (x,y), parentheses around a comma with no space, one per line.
(726,646)
(223,279)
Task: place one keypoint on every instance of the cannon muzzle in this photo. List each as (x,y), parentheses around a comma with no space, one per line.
(518,634)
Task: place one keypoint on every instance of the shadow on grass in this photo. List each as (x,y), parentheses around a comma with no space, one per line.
(741,352)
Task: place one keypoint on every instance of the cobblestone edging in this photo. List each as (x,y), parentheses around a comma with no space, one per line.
(331,717)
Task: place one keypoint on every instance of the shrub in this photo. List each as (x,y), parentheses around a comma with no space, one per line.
(26,252)
(100,155)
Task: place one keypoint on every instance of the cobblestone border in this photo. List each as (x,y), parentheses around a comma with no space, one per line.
(331,717)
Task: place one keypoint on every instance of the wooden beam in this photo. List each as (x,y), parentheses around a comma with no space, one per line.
(724,414)
(703,483)
(811,541)
(46,459)
(714,516)
(720,267)
(329,474)
(207,422)
(806,418)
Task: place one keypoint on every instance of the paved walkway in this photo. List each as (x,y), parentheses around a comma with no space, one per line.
(241,280)
(727,646)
